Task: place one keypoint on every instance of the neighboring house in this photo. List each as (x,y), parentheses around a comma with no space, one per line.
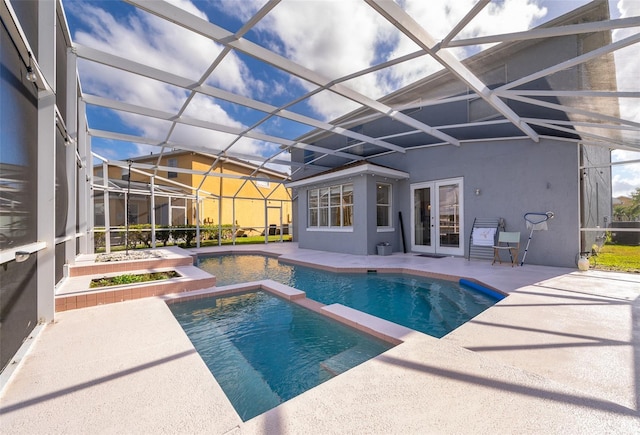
(179,175)
(437,189)
(622,200)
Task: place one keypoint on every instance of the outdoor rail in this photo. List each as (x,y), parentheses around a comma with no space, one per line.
(17,252)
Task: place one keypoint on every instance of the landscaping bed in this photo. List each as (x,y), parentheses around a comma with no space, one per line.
(130,278)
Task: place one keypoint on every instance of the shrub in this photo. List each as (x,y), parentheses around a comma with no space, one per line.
(99,240)
(163,234)
(183,232)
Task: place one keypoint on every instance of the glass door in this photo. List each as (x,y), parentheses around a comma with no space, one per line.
(422,219)
(437,219)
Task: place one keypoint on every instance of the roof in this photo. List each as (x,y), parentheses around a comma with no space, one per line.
(594,110)
(356,168)
(223,159)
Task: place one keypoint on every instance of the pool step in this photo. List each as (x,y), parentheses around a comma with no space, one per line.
(344,361)
(244,386)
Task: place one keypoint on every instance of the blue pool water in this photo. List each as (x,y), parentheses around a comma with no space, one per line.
(435,307)
(263,350)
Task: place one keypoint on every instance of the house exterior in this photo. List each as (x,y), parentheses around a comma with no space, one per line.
(432,191)
(224,192)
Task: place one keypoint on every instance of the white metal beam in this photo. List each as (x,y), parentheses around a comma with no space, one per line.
(175,80)
(225,51)
(121,63)
(573,62)
(127,107)
(46,166)
(604,126)
(179,16)
(583,134)
(548,32)
(187,147)
(580,94)
(477,8)
(568,109)
(407,25)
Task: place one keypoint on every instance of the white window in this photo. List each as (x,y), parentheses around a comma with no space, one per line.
(262,183)
(172,163)
(331,206)
(383,204)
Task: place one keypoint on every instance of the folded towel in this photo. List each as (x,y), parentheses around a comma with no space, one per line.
(483,236)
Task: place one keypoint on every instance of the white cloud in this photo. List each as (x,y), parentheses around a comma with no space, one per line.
(163,45)
(625,178)
(349,36)
(346,36)
(242,10)
(343,39)
(441,16)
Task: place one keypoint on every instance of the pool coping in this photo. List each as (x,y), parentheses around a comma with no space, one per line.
(343,269)
(380,328)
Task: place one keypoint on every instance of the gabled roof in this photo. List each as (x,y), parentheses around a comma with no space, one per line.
(223,159)
(350,170)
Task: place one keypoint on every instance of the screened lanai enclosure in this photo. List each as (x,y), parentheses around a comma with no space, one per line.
(324,121)
(241,83)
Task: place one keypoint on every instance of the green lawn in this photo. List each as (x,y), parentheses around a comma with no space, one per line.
(621,258)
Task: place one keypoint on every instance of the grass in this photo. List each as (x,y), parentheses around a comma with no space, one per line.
(130,278)
(621,258)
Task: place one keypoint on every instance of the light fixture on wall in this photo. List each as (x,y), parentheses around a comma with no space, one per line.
(31,75)
(477,192)
(22,256)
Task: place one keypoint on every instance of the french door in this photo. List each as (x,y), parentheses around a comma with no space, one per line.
(437,217)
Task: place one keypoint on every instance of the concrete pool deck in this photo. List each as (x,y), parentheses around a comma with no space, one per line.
(561,354)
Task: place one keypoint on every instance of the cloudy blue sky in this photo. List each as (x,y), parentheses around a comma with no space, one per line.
(346,37)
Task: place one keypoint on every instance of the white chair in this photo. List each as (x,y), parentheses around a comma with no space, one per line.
(507,241)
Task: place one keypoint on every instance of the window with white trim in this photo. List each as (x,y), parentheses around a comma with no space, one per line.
(331,206)
(172,163)
(383,204)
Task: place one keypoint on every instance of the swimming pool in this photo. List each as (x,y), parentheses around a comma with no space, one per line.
(435,307)
(263,350)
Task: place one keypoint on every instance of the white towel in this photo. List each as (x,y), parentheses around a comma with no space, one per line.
(484,236)
(540,226)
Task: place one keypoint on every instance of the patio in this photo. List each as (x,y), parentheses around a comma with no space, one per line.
(559,355)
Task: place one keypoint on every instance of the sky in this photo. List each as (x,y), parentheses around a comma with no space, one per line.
(346,37)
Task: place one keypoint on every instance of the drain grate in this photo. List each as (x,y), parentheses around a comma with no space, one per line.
(432,255)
